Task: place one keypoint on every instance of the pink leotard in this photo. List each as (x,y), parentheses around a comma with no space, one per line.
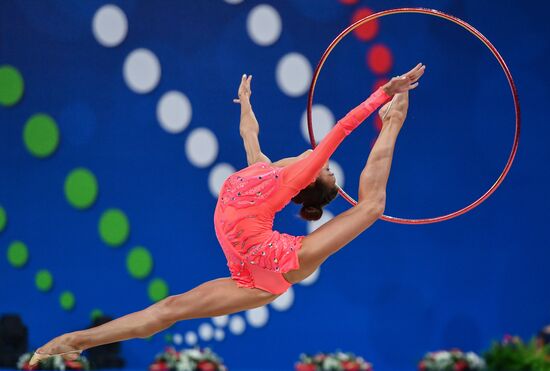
(257,256)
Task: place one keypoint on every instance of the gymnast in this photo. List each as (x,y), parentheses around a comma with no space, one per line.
(264,263)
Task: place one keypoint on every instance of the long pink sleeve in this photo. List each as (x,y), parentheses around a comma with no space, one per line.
(300,174)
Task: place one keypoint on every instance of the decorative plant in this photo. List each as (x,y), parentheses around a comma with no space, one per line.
(453,360)
(195,359)
(512,354)
(53,363)
(338,361)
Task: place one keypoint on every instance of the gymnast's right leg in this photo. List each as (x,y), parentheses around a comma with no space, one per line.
(338,232)
(213,298)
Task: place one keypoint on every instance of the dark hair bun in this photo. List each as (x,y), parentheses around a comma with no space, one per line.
(311,212)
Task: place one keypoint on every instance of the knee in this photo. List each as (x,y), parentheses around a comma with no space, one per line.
(164,312)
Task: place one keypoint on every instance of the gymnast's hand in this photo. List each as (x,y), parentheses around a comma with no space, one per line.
(244,89)
(406,82)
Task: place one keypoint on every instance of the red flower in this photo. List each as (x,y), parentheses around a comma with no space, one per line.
(159,366)
(304,367)
(28,367)
(207,366)
(74,365)
(461,366)
(351,366)
(422,366)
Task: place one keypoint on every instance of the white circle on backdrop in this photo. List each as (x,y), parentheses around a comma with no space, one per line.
(206,331)
(141,71)
(338,172)
(293,74)
(313,225)
(312,278)
(264,25)
(219,334)
(285,301)
(177,339)
(174,112)
(191,338)
(221,321)
(110,25)
(257,317)
(201,147)
(237,325)
(323,121)
(233,1)
(217,176)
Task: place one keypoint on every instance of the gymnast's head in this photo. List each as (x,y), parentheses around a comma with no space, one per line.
(317,195)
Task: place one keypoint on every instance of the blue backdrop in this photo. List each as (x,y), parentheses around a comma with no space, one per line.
(392,294)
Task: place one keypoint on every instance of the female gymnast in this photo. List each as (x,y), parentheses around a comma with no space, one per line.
(263,262)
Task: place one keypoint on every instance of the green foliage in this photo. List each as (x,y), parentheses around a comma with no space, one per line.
(514,355)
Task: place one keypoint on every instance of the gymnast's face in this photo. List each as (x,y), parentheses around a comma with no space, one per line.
(327,177)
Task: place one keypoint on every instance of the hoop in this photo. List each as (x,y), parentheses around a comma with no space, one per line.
(487,43)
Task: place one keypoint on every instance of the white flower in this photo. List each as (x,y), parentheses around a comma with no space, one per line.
(331,363)
(58,363)
(22,360)
(475,361)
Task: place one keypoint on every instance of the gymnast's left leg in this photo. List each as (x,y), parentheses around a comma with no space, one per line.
(213,298)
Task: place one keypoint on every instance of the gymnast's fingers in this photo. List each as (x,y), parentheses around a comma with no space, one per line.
(413,86)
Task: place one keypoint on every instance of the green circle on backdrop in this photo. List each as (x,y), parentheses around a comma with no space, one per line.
(41,135)
(18,254)
(67,300)
(81,188)
(43,280)
(96,313)
(139,262)
(114,227)
(3,219)
(11,85)
(158,289)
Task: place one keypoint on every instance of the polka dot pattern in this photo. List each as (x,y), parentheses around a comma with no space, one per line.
(11,86)
(41,135)
(312,278)
(368,31)
(237,325)
(157,290)
(293,74)
(221,321)
(201,147)
(114,227)
(96,313)
(142,71)
(380,59)
(219,334)
(43,280)
(206,332)
(257,317)
(139,262)
(17,254)
(110,25)
(285,301)
(3,219)
(81,188)
(191,338)
(67,300)
(217,176)
(322,120)
(174,112)
(264,25)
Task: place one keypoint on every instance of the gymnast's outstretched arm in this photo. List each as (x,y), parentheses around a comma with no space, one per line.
(249,127)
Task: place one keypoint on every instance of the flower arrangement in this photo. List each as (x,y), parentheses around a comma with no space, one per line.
(512,354)
(338,361)
(195,359)
(453,360)
(56,363)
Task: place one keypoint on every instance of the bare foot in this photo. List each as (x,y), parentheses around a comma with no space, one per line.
(61,345)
